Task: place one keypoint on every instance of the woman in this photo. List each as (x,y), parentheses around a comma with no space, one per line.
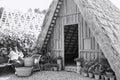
(20,53)
(15,58)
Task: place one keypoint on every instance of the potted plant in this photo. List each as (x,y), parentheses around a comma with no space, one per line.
(47,67)
(97,73)
(78,69)
(109,77)
(50,67)
(79,61)
(59,62)
(109,74)
(28,60)
(112,78)
(90,72)
(91,65)
(55,67)
(85,72)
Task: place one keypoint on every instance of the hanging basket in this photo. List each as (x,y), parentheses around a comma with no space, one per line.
(28,61)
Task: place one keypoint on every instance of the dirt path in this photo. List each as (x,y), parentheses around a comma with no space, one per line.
(47,75)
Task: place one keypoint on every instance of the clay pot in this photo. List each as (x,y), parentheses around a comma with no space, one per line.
(109,73)
(97,77)
(28,61)
(112,78)
(106,78)
(84,74)
(102,77)
(59,62)
(78,69)
(54,68)
(109,77)
(78,63)
(90,75)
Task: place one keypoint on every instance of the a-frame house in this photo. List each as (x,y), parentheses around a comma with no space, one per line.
(82,28)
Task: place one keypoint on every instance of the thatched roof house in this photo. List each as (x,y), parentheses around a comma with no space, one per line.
(98,29)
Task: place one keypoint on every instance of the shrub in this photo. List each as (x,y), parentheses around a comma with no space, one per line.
(48,66)
(79,59)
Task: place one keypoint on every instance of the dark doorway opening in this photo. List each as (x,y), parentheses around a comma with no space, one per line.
(71,43)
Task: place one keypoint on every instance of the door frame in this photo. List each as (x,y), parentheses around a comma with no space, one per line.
(64,41)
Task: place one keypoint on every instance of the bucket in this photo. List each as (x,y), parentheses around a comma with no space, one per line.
(28,61)
(23,71)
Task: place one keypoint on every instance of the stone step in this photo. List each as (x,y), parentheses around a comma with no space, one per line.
(71,68)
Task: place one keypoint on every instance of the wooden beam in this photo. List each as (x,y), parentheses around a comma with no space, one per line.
(97,51)
(54,18)
(56,14)
(45,42)
(60,2)
(57,10)
(48,36)
(49,17)
(58,7)
(50,28)
(44,45)
(49,32)
(53,21)
(47,39)
(51,25)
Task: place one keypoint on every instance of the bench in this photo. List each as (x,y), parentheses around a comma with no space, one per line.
(5,64)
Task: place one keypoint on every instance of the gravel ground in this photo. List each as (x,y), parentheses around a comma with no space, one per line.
(47,75)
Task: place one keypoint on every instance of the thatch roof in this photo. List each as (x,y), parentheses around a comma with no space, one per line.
(104,22)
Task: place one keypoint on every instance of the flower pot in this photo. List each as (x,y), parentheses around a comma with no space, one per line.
(78,69)
(90,75)
(102,77)
(54,68)
(78,63)
(28,61)
(109,73)
(59,61)
(97,77)
(106,78)
(85,74)
(23,71)
(112,78)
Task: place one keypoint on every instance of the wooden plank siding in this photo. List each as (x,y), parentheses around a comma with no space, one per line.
(69,14)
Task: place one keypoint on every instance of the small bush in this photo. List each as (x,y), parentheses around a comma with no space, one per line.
(48,66)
